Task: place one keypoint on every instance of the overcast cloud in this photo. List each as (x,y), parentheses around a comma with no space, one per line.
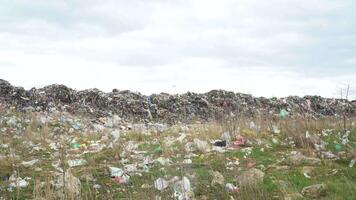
(266,48)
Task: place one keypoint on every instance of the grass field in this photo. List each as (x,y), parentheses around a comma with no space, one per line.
(174,153)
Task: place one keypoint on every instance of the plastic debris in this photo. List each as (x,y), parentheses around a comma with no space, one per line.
(163,161)
(96,186)
(275,141)
(114,171)
(5,177)
(253,126)
(345,138)
(129,168)
(54,146)
(160,184)
(187,161)
(118,175)
(338,147)
(145,186)
(352,163)
(231,188)
(116,135)
(240,141)
(124,179)
(181,137)
(76,145)
(18,182)
(328,155)
(283,113)
(306,175)
(219,149)
(182,190)
(189,147)
(77,125)
(275,129)
(56,165)
(76,162)
(29,163)
(220,143)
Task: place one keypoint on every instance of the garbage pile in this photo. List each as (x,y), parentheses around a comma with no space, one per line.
(133,106)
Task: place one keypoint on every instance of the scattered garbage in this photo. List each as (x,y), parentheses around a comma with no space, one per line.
(275,129)
(182,189)
(5,177)
(124,179)
(54,146)
(77,125)
(187,161)
(240,141)
(283,113)
(220,143)
(352,163)
(118,175)
(160,184)
(275,141)
(18,182)
(253,126)
(116,135)
(96,186)
(306,175)
(76,145)
(338,147)
(4,146)
(29,163)
(115,172)
(345,138)
(163,161)
(181,137)
(328,155)
(145,186)
(76,162)
(226,136)
(231,188)
(189,147)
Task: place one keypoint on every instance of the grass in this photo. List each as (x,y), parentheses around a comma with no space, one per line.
(339,178)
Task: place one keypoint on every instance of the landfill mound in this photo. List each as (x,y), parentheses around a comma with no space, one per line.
(133,106)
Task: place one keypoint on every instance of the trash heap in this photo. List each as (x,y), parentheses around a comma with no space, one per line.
(167,108)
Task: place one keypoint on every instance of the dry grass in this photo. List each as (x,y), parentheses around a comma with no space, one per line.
(293,129)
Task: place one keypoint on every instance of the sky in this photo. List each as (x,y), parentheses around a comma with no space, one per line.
(264,48)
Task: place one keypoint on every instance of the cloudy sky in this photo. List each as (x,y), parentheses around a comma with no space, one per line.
(265,48)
